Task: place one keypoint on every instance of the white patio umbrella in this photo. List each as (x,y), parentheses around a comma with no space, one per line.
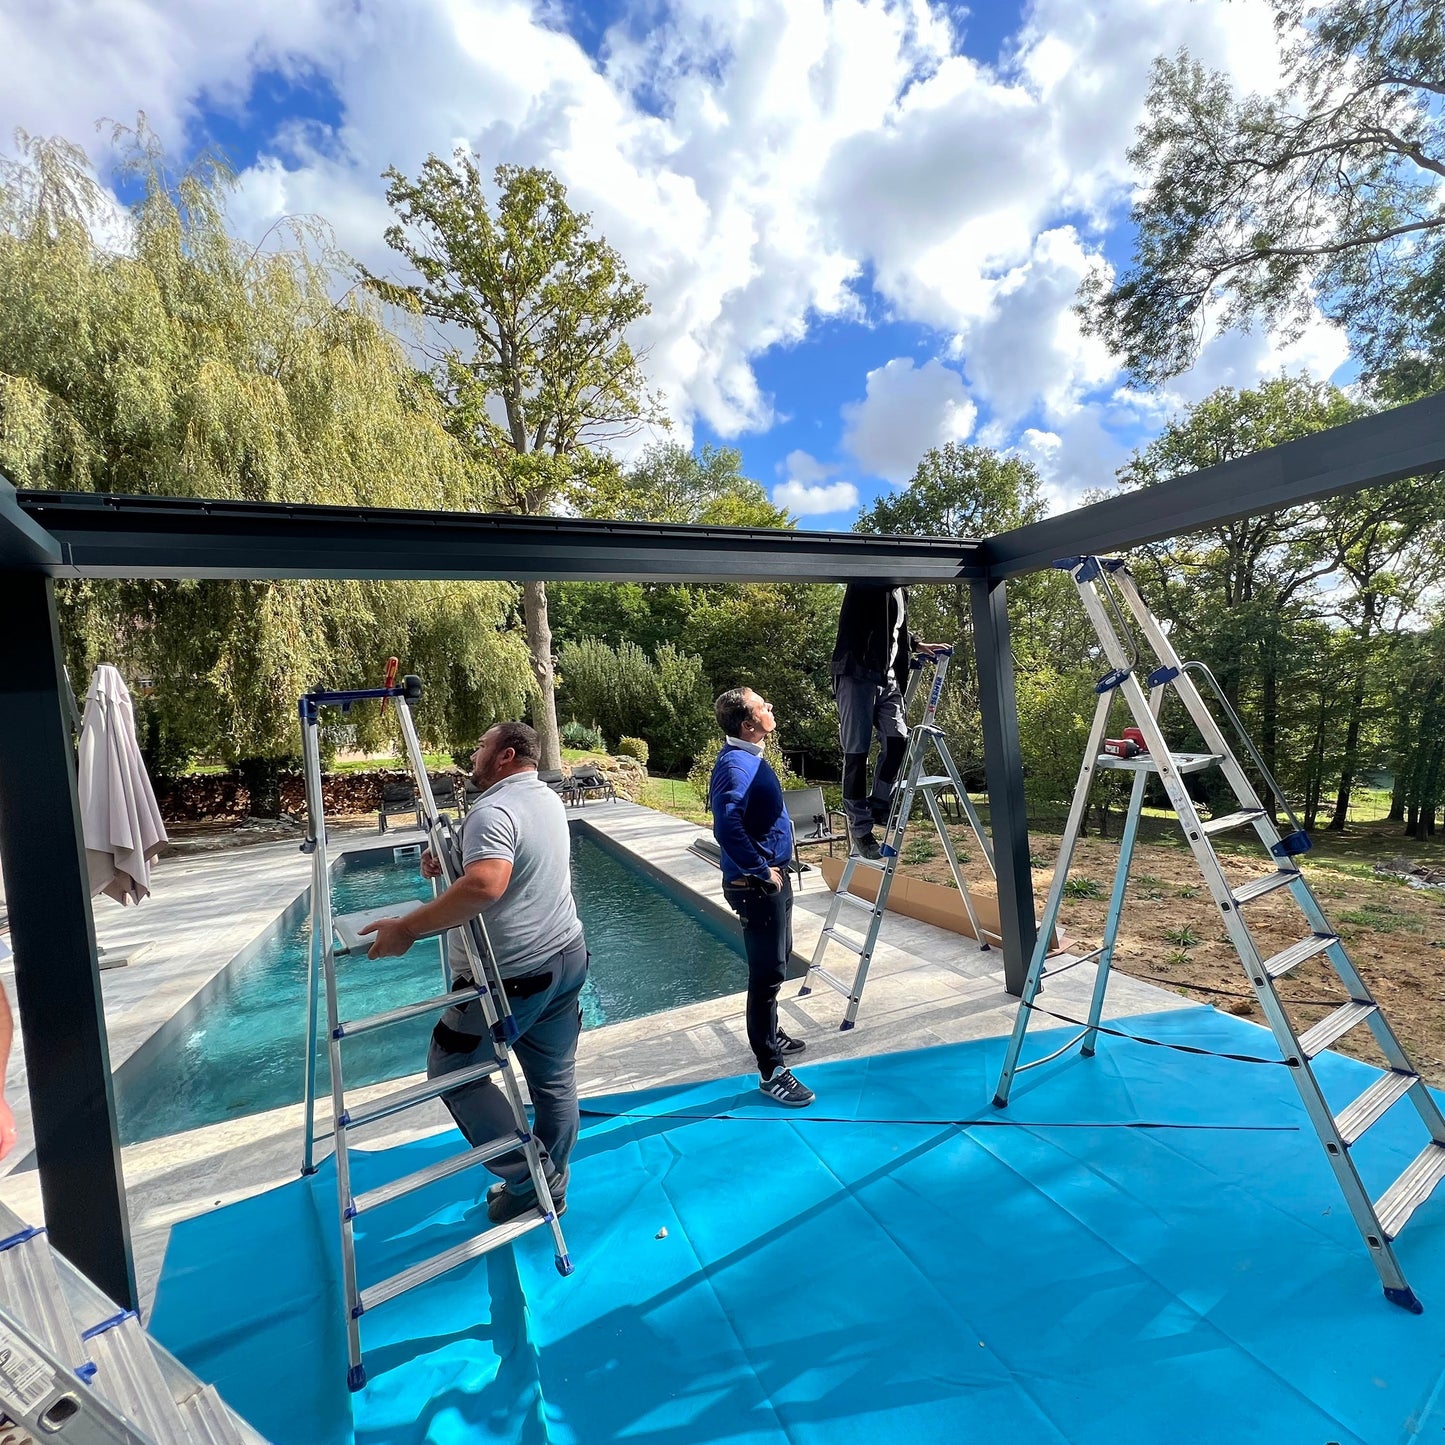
(119,815)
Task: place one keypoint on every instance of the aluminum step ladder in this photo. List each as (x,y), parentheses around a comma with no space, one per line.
(484,985)
(1104,584)
(76,1368)
(925,743)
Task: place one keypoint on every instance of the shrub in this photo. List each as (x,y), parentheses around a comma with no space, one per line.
(700,774)
(579,735)
(632,748)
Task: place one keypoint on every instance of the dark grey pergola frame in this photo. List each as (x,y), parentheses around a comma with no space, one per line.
(49,535)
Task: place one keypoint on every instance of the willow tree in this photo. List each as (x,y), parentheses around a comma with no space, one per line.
(546,371)
(152,351)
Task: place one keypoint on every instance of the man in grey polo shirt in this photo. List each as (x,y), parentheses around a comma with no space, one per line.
(517,875)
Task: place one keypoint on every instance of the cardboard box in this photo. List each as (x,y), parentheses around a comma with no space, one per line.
(934,903)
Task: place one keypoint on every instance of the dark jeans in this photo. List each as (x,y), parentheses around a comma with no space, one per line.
(550,1021)
(767,920)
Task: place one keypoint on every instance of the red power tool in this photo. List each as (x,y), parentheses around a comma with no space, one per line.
(1129,745)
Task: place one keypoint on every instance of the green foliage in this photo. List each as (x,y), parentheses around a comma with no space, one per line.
(668,483)
(579,735)
(187,362)
(662,699)
(1257,208)
(700,774)
(633,748)
(1184,937)
(1083,888)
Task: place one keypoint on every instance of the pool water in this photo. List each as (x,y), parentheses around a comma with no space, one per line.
(241,1052)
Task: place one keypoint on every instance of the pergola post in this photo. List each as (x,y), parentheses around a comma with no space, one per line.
(1003,767)
(57,978)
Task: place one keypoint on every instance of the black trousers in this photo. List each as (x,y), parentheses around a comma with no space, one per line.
(767,920)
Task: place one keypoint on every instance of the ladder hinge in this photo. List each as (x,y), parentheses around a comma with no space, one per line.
(1292,844)
(1161,675)
(1111,680)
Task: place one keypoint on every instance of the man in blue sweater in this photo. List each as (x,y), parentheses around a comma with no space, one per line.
(755,834)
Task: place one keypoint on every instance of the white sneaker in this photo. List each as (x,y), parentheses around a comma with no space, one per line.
(783,1088)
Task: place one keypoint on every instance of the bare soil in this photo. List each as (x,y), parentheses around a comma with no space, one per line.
(1170,931)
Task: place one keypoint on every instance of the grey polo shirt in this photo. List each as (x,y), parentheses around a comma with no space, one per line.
(522,820)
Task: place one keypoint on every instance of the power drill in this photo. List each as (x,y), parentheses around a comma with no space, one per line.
(1130,745)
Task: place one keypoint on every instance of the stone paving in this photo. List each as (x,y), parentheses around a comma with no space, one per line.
(927,986)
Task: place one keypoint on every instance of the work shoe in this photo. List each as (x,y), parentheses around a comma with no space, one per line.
(503,1204)
(782,1088)
(789,1045)
(867,847)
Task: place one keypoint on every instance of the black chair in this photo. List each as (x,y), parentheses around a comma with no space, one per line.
(470,793)
(812,821)
(707,849)
(591,781)
(558,781)
(397,798)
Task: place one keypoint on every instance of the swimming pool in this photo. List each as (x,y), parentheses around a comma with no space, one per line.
(239,1048)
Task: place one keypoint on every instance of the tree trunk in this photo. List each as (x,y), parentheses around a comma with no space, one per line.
(262,777)
(539,644)
(1357,710)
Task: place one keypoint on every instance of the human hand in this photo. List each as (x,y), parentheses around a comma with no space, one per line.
(7,1129)
(933,649)
(430,867)
(393,937)
(775,878)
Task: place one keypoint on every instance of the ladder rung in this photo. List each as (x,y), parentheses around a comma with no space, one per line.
(1258,887)
(1232,820)
(852,945)
(1411,1189)
(128,1375)
(428,1269)
(857,902)
(409,1011)
(1291,957)
(1373,1104)
(209,1419)
(442,1169)
(935,780)
(859,861)
(30,1289)
(1335,1025)
(417,1094)
(1058,968)
(833,981)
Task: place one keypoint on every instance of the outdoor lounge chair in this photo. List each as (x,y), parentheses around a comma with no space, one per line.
(558,781)
(398,799)
(707,849)
(589,782)
(812,822)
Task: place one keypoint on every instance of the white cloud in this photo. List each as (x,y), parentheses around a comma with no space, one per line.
(805,500)
(906,411)
(751,161)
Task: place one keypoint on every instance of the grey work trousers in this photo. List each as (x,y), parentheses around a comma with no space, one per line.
(548,1023)
(865,708)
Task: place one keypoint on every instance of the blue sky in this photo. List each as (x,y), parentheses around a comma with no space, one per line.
(862,223)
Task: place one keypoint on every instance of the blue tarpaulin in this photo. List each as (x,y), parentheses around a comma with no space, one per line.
(1145,1245)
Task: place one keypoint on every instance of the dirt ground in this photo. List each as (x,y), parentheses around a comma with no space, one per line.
(1170,932)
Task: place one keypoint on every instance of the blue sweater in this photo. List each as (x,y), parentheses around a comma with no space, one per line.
(749,821)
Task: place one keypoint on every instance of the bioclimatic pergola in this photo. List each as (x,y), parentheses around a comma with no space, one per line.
(49,535)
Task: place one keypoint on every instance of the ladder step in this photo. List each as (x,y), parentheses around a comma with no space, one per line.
(409,1011)
(128,1376)
(935,780)
(442,1169)
(857,860)
(1373,1104)
(854,901)
(209,1419)
(1411,1189)
(852,945)
(417,1094)
(1232,820)
(1144,763)
(833,981)
(1258,887)
(30,1289)
(1335,1025)
(1291,957)
(438,1264)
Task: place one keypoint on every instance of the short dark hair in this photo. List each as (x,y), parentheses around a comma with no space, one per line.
(522,740)
(732,710)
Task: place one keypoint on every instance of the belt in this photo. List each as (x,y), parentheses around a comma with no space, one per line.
(454,1041)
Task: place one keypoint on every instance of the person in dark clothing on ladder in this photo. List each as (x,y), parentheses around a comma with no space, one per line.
(755,837)
(870,672)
